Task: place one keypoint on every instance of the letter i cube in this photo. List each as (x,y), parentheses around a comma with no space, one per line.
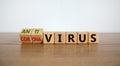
(25,36)
(37,35)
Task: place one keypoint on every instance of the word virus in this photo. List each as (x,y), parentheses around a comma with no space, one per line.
(38,36)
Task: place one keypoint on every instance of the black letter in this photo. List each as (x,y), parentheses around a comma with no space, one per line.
(48,39)
(59,37)
(92,36)
(81,39)
(70,36)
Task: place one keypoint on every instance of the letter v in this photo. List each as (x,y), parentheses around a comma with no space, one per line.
(48,39)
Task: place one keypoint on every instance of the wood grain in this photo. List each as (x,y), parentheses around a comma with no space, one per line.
(106,53)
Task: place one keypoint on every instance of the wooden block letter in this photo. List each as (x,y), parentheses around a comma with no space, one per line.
(83,37)
(93,37)
(37,35)
(25,36)
(48,38)
(59,37)
(71,37)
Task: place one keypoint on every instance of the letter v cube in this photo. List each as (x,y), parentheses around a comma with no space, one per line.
(48,38)
(25,36)
(37,35)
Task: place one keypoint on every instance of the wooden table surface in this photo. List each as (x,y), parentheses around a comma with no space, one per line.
(106,53)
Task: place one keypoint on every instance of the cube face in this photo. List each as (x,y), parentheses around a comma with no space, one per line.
(37,31)
(48,38)
(25,36)
(37,35)
(83,37)
(59,37)
(25,39)
(26,32)
(93,37)
(37,39)
(71,37)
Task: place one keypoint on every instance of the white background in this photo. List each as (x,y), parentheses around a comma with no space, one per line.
(60,15)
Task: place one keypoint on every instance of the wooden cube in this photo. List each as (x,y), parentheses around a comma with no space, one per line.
(48,38)
(59,37)
(93,37)
(25,36)
(71,37)
(37,35)
(82,37)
